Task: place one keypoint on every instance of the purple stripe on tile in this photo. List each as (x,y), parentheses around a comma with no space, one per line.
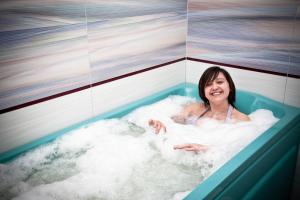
(9,109)
(244,68)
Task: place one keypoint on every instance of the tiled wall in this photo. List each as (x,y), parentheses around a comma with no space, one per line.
(30,123)
(125,36)
(257,34)
(292,93)
(116,93)
(50,47)
(43,49)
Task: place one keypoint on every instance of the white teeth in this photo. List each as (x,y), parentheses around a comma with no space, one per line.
(216,93)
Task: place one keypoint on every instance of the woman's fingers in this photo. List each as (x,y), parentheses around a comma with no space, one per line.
(151,122)
(181,146)
(165,129)
(191,147)
(157,125)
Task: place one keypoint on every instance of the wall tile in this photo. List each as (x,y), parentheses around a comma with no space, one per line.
(294,53)
(126,90)
(124,38)
(30,123)
(292,95)
(43,49)
(249,33)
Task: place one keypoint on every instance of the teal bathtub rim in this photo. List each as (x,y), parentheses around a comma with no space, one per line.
(220,180)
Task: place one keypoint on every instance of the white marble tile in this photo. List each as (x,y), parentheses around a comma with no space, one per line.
(269,85)
(194,70)
(30,123)
(129,89)
(292,95)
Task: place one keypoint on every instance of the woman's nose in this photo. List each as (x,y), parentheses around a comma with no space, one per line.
(214,86)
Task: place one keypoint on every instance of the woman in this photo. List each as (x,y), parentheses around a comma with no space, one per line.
(217,91)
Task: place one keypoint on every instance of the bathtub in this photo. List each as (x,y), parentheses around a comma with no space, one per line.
(262,170)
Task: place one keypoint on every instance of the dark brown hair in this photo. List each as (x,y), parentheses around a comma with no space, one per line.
(210,74)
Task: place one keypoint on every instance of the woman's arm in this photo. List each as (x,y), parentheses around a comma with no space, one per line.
(239,116)
(187,111)
(192,147)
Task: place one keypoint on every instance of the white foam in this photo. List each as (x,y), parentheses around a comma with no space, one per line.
(124,159)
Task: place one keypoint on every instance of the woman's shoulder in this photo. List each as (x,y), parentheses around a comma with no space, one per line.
(239,116)
(195,107)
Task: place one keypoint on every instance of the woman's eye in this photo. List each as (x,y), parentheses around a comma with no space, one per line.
(220,82)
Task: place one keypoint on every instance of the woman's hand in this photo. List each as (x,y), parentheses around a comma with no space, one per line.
(178,119)
(192,147)
(158,125)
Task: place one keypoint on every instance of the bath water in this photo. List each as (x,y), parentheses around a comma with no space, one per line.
(123,158)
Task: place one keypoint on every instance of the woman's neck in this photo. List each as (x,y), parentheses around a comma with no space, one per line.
(219,108)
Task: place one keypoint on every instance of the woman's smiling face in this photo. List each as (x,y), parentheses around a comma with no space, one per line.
(217,90)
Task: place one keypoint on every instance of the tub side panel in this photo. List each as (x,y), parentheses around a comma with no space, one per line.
(265,173)
(277,182)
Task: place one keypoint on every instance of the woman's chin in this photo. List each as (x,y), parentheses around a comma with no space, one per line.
(217,99)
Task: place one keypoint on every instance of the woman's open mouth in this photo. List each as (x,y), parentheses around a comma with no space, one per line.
(216,93)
